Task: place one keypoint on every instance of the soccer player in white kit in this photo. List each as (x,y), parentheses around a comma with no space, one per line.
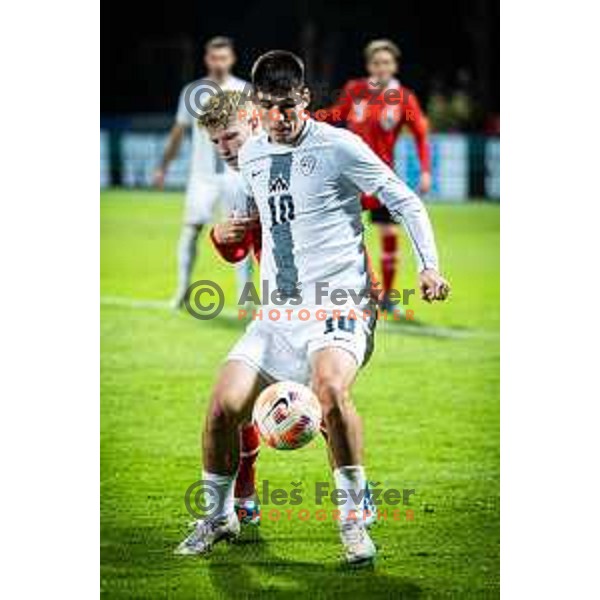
(210,179)
(305,178)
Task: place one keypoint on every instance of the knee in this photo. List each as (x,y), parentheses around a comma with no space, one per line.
(224,411)
(333,396)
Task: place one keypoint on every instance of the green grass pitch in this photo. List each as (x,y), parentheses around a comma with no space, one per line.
(429,399)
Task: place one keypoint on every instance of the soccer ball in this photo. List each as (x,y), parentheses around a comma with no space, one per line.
(288,415)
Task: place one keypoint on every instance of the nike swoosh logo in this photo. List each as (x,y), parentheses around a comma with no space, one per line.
(256,173)
(274,407)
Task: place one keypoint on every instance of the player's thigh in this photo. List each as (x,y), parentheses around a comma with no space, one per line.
(350,331)
(333,371)
(267,347)
(236,389)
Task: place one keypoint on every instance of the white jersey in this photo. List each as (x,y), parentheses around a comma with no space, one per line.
(204,161)
(308,199)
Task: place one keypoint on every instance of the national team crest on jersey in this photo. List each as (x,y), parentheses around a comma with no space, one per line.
(390,117)
(307,164)
(357,112)
(278,184)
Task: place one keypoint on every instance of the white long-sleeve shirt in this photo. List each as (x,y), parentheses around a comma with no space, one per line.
(307,195)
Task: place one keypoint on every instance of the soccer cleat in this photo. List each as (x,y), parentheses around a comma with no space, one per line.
(370,508)
(247,511)
(209,531)
(358,546)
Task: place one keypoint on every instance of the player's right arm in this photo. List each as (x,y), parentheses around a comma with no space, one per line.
(372,176)
(183,120)
(171,149)
(240,234)
(236,238)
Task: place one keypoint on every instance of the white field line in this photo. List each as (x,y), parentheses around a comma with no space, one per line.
(134,302)
(383,327)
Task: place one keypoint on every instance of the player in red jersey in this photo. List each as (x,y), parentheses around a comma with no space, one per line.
(377,107)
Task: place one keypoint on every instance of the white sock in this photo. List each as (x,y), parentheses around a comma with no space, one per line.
(224,485)
(186,256)
(243,271)
(352,480)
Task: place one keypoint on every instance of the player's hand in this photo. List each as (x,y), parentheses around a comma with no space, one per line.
(433,286)
(158,180)
(425,183)
(233,230)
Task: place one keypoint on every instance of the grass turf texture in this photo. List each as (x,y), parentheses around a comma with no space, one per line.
(429,400)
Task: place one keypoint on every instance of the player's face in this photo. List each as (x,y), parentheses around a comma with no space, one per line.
(229,141)
(283,117)
(219,62)
(382,67)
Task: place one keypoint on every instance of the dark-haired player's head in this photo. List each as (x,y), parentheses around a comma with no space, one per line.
(219,57)
(281,93)
(382,58)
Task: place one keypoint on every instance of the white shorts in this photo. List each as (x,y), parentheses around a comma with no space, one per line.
(281,350)
(203,193)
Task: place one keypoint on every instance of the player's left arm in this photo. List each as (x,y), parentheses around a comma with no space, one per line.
(407,208)
(415,119)
(367,171)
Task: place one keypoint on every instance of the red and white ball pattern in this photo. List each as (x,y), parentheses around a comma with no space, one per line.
(288,415)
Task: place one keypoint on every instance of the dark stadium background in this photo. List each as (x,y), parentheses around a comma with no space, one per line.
(149,51)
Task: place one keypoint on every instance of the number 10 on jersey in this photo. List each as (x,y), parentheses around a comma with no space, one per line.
(282,209)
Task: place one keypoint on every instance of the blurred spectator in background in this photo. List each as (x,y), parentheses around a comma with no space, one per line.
(455,109)
(462,108)
(438,107)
